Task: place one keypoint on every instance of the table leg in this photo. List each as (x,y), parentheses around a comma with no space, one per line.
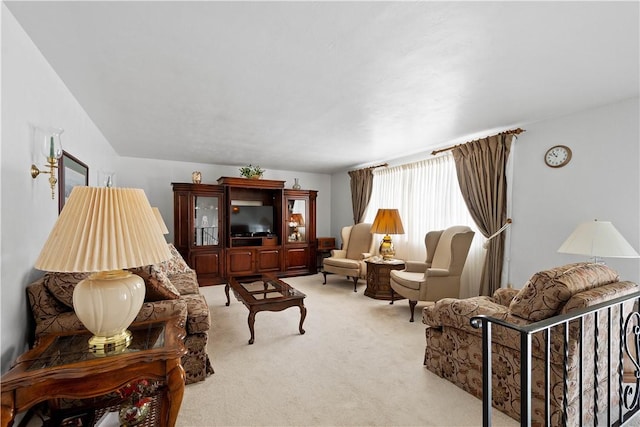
(226,292)
(393,295)
(8,408)
(303,314)
(251,320)
(173,397)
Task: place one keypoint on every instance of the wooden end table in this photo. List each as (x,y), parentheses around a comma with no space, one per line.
(378,276)
(62,366)
(267,294)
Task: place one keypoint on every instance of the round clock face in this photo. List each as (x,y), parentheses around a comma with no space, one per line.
(557,156)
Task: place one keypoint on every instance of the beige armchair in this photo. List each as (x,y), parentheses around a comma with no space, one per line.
(357,242)
(439,276)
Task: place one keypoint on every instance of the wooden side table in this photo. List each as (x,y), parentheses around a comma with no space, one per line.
(325,246)
(61,366)
(378,276)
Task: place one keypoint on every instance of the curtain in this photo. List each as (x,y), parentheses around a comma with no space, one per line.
(428,197)
(481,167)
(361,185)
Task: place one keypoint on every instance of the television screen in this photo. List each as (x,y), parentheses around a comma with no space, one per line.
(251,220)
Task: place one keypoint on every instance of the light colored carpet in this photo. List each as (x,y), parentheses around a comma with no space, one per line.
(359,364)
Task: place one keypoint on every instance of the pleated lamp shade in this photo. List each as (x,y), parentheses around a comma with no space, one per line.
(161,223)
(105,231)
(101,229)
(387,221)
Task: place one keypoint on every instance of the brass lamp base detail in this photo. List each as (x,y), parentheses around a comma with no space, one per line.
(111,344)
(386,248)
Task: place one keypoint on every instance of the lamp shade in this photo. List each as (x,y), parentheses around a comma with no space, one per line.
(387,221)
(102,229)
(598,239)
(158,215)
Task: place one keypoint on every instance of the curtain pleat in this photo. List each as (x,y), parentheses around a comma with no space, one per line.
(361,186)
(481,169)
(428,197)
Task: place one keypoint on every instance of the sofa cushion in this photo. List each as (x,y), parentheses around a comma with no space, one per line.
(157,284)
(176,264)
(342,263)
(61,285)
(408,279)
(547,291)
(185,283)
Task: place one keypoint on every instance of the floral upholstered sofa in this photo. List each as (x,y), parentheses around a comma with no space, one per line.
(454,347)
(171,290)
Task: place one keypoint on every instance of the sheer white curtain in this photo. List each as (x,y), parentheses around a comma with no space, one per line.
(428,197)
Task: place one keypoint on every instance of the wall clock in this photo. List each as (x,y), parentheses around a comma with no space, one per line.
(557,156)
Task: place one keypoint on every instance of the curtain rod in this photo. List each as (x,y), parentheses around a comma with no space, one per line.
(381,165)
(516,131)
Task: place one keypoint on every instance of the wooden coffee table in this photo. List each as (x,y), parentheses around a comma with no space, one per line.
(266,294)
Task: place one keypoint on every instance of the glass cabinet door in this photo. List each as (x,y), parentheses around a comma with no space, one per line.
(206,230)
(297,217)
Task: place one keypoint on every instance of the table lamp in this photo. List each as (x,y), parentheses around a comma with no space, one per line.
(105,231)
(387,222)
(598,239)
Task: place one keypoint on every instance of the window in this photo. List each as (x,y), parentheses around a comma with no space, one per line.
(428,197)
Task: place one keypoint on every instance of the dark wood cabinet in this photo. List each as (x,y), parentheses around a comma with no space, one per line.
(300,231)
(198,218)
(245,227)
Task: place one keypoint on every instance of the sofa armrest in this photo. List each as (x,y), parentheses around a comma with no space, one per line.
(198,320)
(162,310)
(415,266)
(365,255)
(63,322)
(504,296)
(437,272)
(338,253)
(457,313)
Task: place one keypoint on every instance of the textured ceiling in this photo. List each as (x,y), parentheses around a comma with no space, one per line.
(325,86)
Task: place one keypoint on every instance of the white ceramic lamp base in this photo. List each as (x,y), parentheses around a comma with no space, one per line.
(107,303)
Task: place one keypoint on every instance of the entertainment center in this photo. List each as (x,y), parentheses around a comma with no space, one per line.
(245,227)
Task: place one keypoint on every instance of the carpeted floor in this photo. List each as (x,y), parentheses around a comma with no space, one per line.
(359,364)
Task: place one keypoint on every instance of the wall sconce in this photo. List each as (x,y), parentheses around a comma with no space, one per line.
(48,142)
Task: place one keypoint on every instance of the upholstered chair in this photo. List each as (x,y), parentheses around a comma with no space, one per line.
(439,276)
(357,245)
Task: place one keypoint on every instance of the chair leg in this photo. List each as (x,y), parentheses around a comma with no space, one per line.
(355,282)
(412,306)
(324,273)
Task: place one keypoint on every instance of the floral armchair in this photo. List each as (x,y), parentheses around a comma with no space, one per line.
(454,347)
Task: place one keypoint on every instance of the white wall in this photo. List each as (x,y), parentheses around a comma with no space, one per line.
(342,210)
(602,181)
(156,176)
(32,94)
